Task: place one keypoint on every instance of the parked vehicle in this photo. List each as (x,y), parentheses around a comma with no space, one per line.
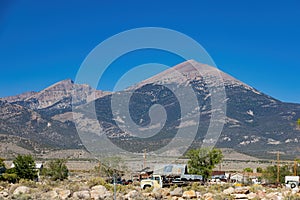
(291,181)
(156,181)
(159,181)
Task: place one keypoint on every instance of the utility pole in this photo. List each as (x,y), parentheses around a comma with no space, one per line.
(145,151)
(99,168)
(115,186)
(295,167)
(278,167)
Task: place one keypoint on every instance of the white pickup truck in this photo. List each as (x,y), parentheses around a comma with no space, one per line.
(155,181)
(292,181)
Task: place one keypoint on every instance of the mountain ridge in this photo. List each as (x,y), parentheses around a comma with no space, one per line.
(249,123)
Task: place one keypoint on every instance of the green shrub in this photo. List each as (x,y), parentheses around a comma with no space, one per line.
(25,167)
(173,187)
(2,164)
(28,183)
(56,170)
(198,187)
(96,181)
(11,178)
(248,169)
(45,188)
(22,197)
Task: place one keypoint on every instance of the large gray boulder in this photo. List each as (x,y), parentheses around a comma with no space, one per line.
(99,192)
(228,191)
(177,192)
(63,194)
(51,195)
(84,194)
(189,194)
(21,190)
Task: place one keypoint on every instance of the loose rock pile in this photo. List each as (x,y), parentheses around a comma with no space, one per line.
(100,192)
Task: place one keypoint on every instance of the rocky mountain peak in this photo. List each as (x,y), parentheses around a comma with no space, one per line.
(60,95)
(187,71)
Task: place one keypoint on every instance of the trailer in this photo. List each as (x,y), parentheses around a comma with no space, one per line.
(160,181)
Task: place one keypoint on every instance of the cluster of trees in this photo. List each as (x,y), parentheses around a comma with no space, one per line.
(202,161)
(111,166)
(270,173)
(25,168)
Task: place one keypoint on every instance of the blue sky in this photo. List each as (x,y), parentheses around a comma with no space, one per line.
(257,42)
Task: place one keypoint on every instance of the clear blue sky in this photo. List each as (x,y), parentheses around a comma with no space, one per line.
(258,42)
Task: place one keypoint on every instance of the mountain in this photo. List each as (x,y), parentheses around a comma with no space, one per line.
(57,98)
(29,116)
(18,121)
(255,123)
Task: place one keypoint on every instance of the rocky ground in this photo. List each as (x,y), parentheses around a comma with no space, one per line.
(97,188)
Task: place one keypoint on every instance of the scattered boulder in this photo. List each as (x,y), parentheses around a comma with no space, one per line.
(99,192)
(84,194)
(21,190)
(177,198)
(51,195)
(260,194)
(274,196)
(198,194)
(208,196)
(286,193)
(147,194)
(99,188)
(240,196)
(157,193)
(4,193)
(176,192)
(165,192)
(63,194)
(242,190)
(189,194)
(133,194)
(252,195)
(229,190)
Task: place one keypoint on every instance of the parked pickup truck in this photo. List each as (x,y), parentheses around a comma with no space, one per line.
(156,181)
(291,181)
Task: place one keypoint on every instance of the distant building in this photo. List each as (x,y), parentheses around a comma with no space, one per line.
(220,175)
(245,177)
(238,178)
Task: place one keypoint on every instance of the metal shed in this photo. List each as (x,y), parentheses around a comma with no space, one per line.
(170,169)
